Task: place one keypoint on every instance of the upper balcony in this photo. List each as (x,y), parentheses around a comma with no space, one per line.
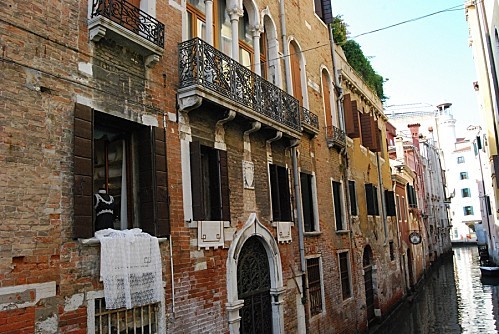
(335,137)
(309,121)
(206,72)
(122,21)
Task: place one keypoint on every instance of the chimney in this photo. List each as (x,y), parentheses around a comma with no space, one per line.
(415,133)
(399,149)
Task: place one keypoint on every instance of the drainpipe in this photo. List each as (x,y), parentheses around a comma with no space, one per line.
(383,205)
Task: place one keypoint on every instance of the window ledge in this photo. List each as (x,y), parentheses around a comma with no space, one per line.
(94,241)
(196,223)
(312,234)
(342,231)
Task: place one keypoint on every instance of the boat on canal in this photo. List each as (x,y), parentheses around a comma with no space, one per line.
(489,271)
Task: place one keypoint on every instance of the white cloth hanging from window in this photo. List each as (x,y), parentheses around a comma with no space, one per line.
(130,268)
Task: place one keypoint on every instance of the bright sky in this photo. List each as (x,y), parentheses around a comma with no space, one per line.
(426,62)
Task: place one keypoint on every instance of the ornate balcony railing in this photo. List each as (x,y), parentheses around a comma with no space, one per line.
(131,18)
(309,119)
(335,136)
(202,64)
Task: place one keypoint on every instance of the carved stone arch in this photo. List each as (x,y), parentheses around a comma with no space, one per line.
(253,228)
(252,9)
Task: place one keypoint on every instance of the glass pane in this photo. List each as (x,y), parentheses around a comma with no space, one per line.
(244,30)
(225,33)
(245,58)
(199,4)
(201,29)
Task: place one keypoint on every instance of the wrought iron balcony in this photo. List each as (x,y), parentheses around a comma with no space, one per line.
(205,68)
(335,137)
(309,120)
(131,18)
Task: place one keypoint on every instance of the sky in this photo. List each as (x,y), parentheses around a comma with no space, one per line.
(425,62)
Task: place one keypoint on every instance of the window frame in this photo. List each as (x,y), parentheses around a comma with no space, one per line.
(312,199)
(465,192)
(352,193)
(372,202)
(280,193)
(318,285)
(468,210)
(463,176)
(460,160)
(338,206)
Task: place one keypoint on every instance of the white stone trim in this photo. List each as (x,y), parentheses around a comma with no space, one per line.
(42,291)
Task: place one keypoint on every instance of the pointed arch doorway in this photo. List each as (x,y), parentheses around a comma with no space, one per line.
(255,289)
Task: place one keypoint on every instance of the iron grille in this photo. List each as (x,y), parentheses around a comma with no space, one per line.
(314,286)
(202,64)
(335,136)
(309,118)
(131,18)
(143,319)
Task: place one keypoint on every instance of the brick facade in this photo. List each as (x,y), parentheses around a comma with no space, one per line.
(49,276)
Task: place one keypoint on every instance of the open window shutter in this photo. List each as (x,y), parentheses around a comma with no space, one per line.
(352,119)
(284,194)
(327,12)
(367,133)
(376,144)
(375,200)
(83,172)
(162,209)
(353,199)
(197,182)
(318,8)
(224,185)
(370,199)
(390,203)
(338,210)
(146,180)
(347,108)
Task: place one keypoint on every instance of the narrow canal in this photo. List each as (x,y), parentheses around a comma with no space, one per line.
(454,299)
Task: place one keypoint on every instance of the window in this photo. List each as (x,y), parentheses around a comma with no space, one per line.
(411,196)
(399,209)
(210,183)
(323,10)
(372,199)
(308,202)
(296,73)
(468,210)
(460,160)
(326,97)
(338,206)
(314,285)
(392,251)
(346,290)
(279,190)
(463,175)
(390,203)
(465,192)
(128,160)
(353,198)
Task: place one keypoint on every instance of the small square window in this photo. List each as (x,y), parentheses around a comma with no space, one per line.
(466,192)
(460,160)
(468,210)
(463,175)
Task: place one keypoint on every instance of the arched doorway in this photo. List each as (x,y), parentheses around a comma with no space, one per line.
(253,286)
(367,263)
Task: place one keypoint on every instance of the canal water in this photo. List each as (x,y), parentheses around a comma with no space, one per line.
(454,299)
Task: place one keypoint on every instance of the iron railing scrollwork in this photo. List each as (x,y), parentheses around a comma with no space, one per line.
(132,18)
(335,136)
(202,64)
(309,118)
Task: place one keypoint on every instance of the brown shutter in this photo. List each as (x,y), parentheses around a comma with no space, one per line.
(224,185)
(146,180)
(351,117)
(326,96)
(368,134)
(162,209)
(284,194)
(83,172)
(196,182)
(295,74)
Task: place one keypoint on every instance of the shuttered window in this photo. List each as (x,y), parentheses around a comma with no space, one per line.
(351,117)
(372,199)
(279,190)
(307,202)
(352,192)
(323,10)
(346,290)
(128,160)
(370,132)
(209,182)
(314,285)
(296,73)
(338,206)
(391,210)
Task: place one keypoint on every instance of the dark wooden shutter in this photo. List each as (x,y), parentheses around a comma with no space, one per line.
(351,117)
(83,172)
(318,8)
(284,194)
(197,190)
(224,185)
(296,74)
(161,173)
(338,210)
(390,203)
(327,12)
(274,192)
(370,199)
(307,203)
(353,198)
(367,130)
(146,180)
